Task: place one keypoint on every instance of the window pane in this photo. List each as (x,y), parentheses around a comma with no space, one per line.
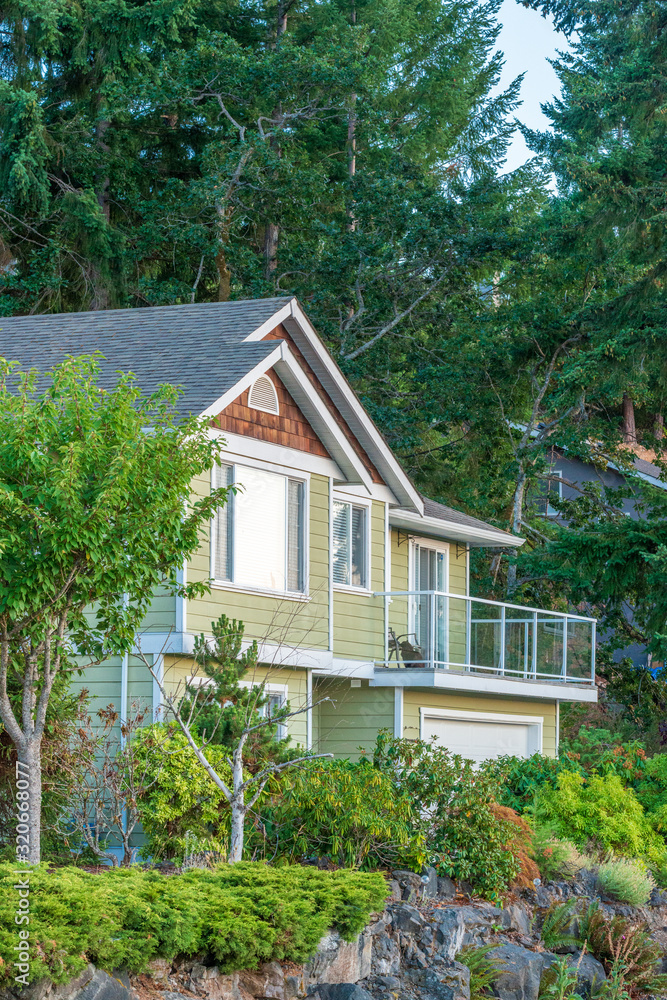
(295,534)
(260,530)
(341,542)
(359,546)
(222,527)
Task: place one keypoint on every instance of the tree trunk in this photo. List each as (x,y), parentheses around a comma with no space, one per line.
(271,239)
(659,427)
(224,274)
(517,519)
(237,804)
(629,428)
(30,770)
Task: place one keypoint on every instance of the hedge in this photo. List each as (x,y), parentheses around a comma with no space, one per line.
(237,915)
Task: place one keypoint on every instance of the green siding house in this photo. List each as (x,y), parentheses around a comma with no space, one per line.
(355,586)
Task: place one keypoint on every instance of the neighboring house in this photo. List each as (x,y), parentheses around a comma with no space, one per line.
(355,585)
(567,469)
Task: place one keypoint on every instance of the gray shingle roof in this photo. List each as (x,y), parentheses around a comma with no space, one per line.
(198,347)
(438,510)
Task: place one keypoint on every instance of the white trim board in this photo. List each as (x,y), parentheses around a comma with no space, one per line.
(288,460)
(534,722)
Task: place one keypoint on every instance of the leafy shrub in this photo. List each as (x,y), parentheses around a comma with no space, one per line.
(626,949)
(651,790)
(559,981)
(455,806)
(520,843)
(603,812)
(350,812)
(180,796)
(626,880)
(558,858)
(238,916)
(520,778)
(600,750)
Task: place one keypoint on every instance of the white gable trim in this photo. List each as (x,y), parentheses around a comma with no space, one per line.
(244,383)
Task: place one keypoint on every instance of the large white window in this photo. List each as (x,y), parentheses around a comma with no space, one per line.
(350,535)
(259,536)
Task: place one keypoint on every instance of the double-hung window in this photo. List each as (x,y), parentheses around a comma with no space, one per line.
(259,535)
(350,542)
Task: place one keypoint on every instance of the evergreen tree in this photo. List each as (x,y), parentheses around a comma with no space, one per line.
(222,707)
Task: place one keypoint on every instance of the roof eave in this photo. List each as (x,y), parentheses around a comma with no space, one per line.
(434,527)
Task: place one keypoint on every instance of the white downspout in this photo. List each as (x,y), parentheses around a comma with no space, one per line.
(331,590)
(309,713)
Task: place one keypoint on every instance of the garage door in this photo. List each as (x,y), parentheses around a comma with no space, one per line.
(480,741)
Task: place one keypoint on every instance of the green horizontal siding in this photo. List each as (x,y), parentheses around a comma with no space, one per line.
(359,618)
(353,717)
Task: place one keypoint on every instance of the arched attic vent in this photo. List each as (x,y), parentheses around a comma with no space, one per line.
(263,395)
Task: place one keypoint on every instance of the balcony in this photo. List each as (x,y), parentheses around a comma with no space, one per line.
(429,630)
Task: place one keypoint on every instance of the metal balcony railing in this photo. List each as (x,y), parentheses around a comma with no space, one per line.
(430,629)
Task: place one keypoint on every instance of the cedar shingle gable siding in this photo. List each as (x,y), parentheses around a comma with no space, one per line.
(288,428)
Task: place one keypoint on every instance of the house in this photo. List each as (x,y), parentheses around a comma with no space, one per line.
(355,586)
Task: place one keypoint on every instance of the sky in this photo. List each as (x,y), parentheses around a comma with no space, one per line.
(528,40)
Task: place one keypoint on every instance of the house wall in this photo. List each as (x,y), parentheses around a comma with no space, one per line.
(353,717)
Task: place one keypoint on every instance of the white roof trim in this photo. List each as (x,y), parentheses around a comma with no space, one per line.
(342,394)
(452,530)
(244,383)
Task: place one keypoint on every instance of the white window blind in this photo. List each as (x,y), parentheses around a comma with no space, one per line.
(349,544)
(258,537)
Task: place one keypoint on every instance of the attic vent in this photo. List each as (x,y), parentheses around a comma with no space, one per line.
(263,395)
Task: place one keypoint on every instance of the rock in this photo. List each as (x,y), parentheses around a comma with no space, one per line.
(446,888)
(411,885)
(520,918)
(386,955)
(102,986)
(448,984)
(395,893)
(412,955)
(159,969)
(521,970)
(430,887)
(482,922)
(391,982)
(338,961)
(466,888)
(173,995)
(590,972)
(340,991)
(267,981)
(406,918)
(295,982)
(214,984)
(448,932)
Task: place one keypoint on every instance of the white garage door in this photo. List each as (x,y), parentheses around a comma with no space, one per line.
(478,741)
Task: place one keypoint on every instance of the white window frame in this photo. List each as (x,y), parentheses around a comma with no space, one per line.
(354,501)
(298,476)
(549,510)
(534,722)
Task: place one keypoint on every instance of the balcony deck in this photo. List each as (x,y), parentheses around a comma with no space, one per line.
(435,631)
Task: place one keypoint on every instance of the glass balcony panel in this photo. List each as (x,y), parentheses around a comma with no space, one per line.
(579,649)
(518,644)
(485,635)
(549,660)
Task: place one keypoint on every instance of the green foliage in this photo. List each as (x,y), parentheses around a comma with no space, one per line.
(222,708)
(238,916)
(558,858)
(519,778)
(558,926)
(651,790)
(600,811)
(465,835)
(559,981)
(352,813)
(180,797)
(599,749)
(626,949)
(483,970)
(626,880)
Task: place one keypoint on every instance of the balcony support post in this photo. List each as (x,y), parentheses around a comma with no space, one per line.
(593,641)
(432,630)
(501,661)
(534,650)
(468,631)
(565,631)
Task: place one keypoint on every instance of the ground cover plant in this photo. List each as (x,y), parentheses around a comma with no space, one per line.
(239,915)
(626,880)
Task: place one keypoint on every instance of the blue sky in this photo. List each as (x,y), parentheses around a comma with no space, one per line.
(528,40)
